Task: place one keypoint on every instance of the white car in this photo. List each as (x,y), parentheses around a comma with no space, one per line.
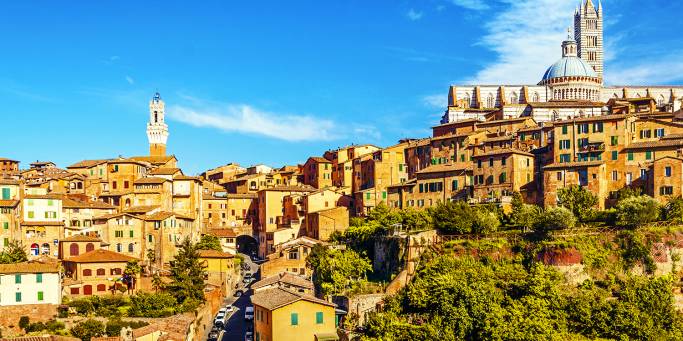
(249,313)
(249,336)
(228,309)
(220,319)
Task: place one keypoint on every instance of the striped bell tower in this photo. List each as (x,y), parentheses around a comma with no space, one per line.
(588,33)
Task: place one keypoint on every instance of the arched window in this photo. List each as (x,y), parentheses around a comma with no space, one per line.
(467,100)
(490,101)
(73,249)
(556,116)
(127,202)
(131,248)
(536,97)
(513,98)
(35,249)
(89,247)
(660,101)
(87,272)
(119,247)
(45,249)
(100,272)
(101,287)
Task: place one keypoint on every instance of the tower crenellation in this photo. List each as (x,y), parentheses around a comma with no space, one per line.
(157,130)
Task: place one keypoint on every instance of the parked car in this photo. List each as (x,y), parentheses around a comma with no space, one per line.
(249,313)
(220,320)
(229,309)
(249,336)
(247,277)
(213,335)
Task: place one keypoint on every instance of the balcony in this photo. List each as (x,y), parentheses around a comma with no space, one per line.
(592,147)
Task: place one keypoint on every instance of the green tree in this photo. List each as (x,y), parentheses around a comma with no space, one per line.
(14,252)
(453,217)
(555,218)
(160,304)
(526,216)
(484,221)
(157,283)
(24,322)
(187,274)
(578,200)
(336,271)
(88,329)
(209,242)
(132,268)
(634,211)
(673,211)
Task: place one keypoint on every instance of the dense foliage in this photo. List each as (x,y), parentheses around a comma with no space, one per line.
(187,274)
(555,218)
(459,217)
(88,329)
(578,200)
(160,304)
(635,211)
(14,252)
(209,242)
(467,299)
(336,271)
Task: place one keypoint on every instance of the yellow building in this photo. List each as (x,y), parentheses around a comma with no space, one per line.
(220,268)
(95,272)
(318,172)
(270,203)
(283,314)
(9,211)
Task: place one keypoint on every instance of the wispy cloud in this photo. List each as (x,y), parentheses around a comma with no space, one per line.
(247,119)
(130,80)
(435,101)
(414,15)
(660,69)
(526,36)
(477,5)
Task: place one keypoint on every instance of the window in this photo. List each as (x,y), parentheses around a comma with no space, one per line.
(582,128)
(503,160)
(565,144)
(667,171)
(666,190)
(5,225)
(39,278)
(31,214)
(131,233)
(422,188)
(479,163)
(17,279)
(648,155)
(565,158)
(629,178)
(502,177)
(131,247)
(454,185)
(615,176)
(564,130)
(319,317)
(40,295)
(50,202)
(643,174)
(614,140)
(100,272)
(87,272)
(645,134)
(17,297)
(294,319)
(597,127)
(629,156)
(659,132)
(582,142)
(615,155)
(490,162)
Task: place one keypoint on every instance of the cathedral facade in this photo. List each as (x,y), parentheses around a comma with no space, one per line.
(571,87)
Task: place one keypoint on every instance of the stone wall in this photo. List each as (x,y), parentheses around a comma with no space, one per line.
(10,315)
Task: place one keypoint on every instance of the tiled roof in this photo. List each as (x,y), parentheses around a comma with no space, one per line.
(469,120)
(141,209)
(503,121)
(9,182)
(275,298)
(164,171)
(42,338)
(499,138)
(283,277)
(304,188)
(150,180)
(574,164)
(42,223)
(214,254)
(241,196)
(6,159)
(29,267)
(153,159)
(164,215)
(9,203)
(591,119)
(504,151)
(73,203)
(81,238)
(319,159)
(100,256)
(222,233)
(567,104)
(44,196)
(448,167)
(187,177)
(87,163)
(211,197)
(655,144)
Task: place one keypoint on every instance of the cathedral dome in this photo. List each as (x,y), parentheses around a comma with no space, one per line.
(569,66)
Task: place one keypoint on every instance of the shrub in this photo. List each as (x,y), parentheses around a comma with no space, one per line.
(555,218)
(578,200)
(637,210)
(453,217)
(115,325)
(82,306)
(24,322)
(484,221)
(526,216)
(88,329)
(159,304)
(674,210)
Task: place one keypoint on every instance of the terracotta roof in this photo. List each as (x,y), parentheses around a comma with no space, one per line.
(655,144)
(448,167)
(546,125)
(499,138)
(241,196)
(105,338)
(116,215)
(9,182)
(591,119)
(504,151)
(286,278)
(672,137)
(6,159)
(42,338)
(42,223)
(212,197)
(223,233)
(9,203)
(81,238)
(150,180)
(574,164)
(116,193)
(214,254)
(73,203)
(319,159)
(141,209)
(44,196)
(100,256)
(187,177)
(503,121)
(275,298)
(163,215)
(304,188)
(164,171)
(29,267)
(87,163)
(153,159)
(469,120)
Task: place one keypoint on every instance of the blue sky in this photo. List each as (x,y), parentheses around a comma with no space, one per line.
(277,81)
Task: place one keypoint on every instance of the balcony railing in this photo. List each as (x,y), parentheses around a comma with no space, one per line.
(592,147)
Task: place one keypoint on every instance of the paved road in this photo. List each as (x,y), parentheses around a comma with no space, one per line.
(237,326)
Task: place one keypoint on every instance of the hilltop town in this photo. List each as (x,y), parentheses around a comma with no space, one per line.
(137,238)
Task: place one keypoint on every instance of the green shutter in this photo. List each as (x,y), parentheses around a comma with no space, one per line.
(615,155)
(17,279)
(5,193)
(400,167)
(648,155)
(40,295)
(319,317)
(630,156)
(5,225)
(367,195)
(5,242)
(39,278)
(384,194)
(564,129)
(131,233)
(294,319)
(17,297)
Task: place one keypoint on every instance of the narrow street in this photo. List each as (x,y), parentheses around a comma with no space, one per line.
(236,326)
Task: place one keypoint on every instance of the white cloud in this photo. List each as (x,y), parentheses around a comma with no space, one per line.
(471,4)
(439,101)
(659,70)
(526,36)
(414,15)
(130,80)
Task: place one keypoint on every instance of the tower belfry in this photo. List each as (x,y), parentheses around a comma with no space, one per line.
(588,33)
(157,130)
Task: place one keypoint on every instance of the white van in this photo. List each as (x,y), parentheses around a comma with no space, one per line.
(249,313)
